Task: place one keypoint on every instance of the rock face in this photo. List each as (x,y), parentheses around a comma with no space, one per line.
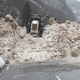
(58,41)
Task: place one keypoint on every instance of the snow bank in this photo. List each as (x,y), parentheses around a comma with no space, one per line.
(58,41)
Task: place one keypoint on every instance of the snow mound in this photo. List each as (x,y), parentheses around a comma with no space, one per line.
(58,41)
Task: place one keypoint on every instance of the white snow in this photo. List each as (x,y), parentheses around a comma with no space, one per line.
(2,62)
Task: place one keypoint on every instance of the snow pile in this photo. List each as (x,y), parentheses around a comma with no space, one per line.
(58,41)
(2,62)
(65,38)
(52,20)
(9,32)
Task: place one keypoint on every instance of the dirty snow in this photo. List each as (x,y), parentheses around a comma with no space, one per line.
(57,42)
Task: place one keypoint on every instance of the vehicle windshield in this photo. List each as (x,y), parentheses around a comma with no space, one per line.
(34,27)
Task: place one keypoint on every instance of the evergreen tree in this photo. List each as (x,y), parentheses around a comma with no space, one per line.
(26,14)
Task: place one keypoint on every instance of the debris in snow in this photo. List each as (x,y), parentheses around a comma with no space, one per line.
(58,41)
(52,20)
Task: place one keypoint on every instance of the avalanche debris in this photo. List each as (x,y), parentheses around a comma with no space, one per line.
(52,20)
(58,41)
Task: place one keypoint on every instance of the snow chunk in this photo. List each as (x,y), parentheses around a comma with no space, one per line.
(2,62)
(9,18)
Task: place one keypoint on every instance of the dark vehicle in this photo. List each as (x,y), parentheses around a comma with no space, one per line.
(35,25)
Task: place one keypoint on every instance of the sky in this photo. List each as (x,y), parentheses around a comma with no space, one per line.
(71,0)
(78,0)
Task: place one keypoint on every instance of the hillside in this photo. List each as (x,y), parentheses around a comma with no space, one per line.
(6,7)
(74,5)
(55,8)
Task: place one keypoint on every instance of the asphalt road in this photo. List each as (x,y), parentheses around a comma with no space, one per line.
(48,70)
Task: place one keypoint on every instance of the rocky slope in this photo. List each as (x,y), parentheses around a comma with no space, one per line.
(55,8)
(58,41)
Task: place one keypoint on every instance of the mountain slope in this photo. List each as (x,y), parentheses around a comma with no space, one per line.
(6,7)
(75,7)
(55,8)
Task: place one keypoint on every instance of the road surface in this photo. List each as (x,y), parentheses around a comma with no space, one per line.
(48,70)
